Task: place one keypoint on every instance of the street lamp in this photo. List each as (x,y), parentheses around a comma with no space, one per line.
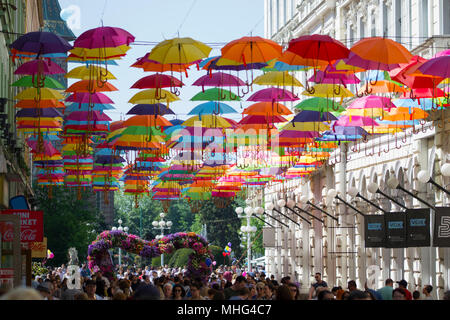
(248,229)
(271,207)
(161,225)
(424,177)
(373,188)
(120,228)
(354,193)
(394,184)
(332,194)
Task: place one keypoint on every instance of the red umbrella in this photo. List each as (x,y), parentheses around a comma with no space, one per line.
(273,94)
(39,66)
(157,81)
(404,75)
(251,119)
(318,47)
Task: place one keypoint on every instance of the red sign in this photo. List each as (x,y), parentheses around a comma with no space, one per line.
(6,277)
(31,226)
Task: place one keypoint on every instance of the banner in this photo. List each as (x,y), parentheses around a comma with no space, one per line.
(375,231)
(395,229)
(31,226)
(441,236)
(418,228)
(39,249)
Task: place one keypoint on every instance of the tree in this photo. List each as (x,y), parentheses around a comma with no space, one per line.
(222,225)
(68,222)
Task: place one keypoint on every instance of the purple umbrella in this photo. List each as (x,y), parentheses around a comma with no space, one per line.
(348,131)
(355,121)
(41,43)
(219,79)
(314,116)
(86,97)
(299,134)
(213,65)
(85,115)
(150,109)
(273,94)
(39,66)
(35,113)
(438,67)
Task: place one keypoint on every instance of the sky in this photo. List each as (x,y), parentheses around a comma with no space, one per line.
(208,21)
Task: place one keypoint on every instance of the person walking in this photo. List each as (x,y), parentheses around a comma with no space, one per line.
(314,286)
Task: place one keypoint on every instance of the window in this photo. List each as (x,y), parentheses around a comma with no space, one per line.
(270,19)
(424,19)
(398,20)
(385,20)
(284,11)
(373,31)
(362,29)
(445,15)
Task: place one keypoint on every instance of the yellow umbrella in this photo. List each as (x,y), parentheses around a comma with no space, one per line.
(207,121)
(382,129)
(140,138)
(329,91)
(277,78)
(150,95)
(381,86)
(41,93)
(306,126)
(100,52)
(179,50)
(90,73)
(342,66)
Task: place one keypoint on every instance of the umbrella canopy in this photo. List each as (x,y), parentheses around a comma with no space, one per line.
(381,50)
(29,81)
(255,119)
(91,86)
(357,63)
(381,86)
(372,102)
(150,109)
(180,51)
(90,72)
(405,74)
(41,43)
(251,50)
(277,78)
(313,116)
(212,108)
(215,94)
(328,91)
(39,94)
(147,121)
(267,109)
(320,104)
(355,121)
(273,94)
(219,63)
(43,67)
(318,47)
(438,67)
(35,113)
(85,97)
(207,121)
(149,96)
(103,37)
(157,81)
(219,79)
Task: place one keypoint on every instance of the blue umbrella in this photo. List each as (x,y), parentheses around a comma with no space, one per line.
(150,109)
(314,116)
(211,107)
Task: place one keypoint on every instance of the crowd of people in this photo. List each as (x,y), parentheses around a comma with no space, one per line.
(225,283)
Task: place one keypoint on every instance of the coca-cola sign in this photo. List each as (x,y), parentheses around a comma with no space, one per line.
(31,226)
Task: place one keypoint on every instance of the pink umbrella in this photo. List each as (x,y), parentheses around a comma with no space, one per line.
(273,94)
(86,97)
(219,79)
(354,121)
(103,37)
(85,115)
(439,67)
(443,53)
(157,81)
(46,148)
(39,66)
(372,102)
(355,60)
(251,119)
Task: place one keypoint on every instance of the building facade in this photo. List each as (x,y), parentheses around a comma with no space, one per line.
(16,17)
(336,248)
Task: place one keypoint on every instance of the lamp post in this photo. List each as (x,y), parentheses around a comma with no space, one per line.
(161,225)
(394,184)
(424,177)
(248,229)
(354,193)
(373,188)
(332,194)
(120,228)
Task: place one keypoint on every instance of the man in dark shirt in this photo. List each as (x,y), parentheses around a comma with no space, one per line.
(234,290)
(319,283)
(402,284)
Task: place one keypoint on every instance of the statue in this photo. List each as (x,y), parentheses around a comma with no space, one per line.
(73,270)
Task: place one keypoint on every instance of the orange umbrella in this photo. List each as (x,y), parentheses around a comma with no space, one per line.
(90,86)
(147,121)
(382,50)
(251,50)
(382,86)
(405,114)
(293,59)
(39,104)
(267,108)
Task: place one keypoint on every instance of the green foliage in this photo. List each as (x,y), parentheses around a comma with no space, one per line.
(222,225)
(37,269)
(180,257)
(156,262)
(68,222)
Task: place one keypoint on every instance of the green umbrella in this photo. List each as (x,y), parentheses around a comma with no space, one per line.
(27,81)
(215,94)
(320,104)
